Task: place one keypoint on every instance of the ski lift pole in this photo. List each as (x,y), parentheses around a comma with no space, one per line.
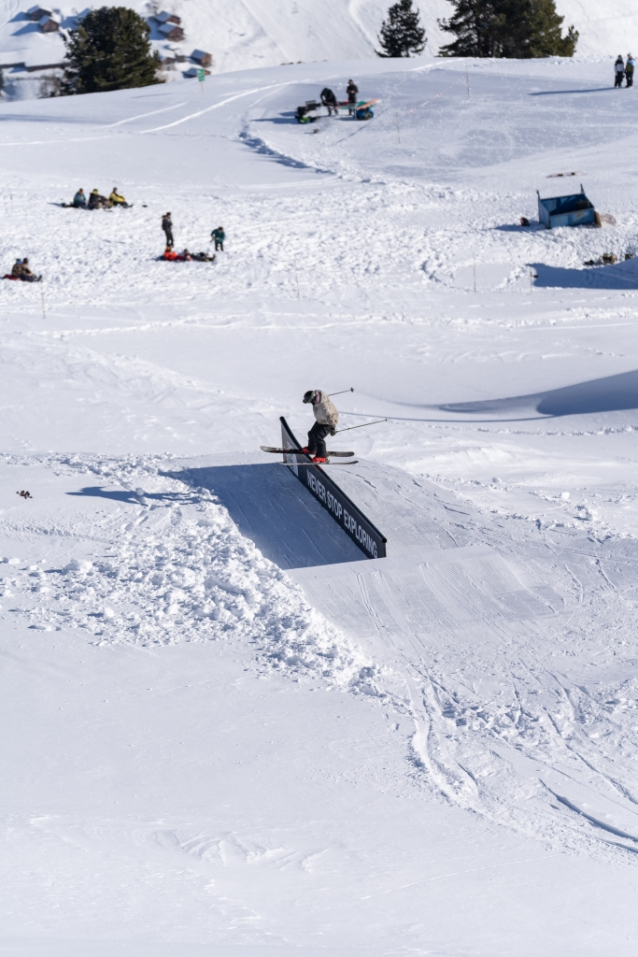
(362,426)
(342,391)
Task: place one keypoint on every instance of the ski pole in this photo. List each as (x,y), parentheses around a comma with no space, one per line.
(362,426)
(342,391)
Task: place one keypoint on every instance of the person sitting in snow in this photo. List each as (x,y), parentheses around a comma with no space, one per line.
(219,236)
(96,201)
(619,70)
(79,200)
(116,200)
(329,100)
(629,70)
(23,272)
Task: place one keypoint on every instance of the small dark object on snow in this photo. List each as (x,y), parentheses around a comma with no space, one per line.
(608,259)
(628,256)
(524,221)
(24,494)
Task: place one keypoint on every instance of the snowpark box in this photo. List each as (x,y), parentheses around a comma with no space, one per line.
(572,210)
(345,513)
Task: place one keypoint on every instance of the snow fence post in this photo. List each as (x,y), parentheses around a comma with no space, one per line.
(201,76)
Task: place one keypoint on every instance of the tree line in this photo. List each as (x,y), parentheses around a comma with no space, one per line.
(110,47)
(519,29)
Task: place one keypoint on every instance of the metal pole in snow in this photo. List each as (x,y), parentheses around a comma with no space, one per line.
(362,426)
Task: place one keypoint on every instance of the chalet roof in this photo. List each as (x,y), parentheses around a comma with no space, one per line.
(168,28)
(198,54)
(165,17)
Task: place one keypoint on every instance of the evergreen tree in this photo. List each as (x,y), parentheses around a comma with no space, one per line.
(507,28)
(401,33)
(109,50)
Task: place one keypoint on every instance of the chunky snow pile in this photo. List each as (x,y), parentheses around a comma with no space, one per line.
(175,570)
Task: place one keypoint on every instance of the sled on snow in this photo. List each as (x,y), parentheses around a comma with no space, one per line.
(573,210)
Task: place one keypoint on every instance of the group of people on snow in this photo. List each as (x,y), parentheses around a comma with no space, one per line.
(97,201)
(622,69)
(186,257)
(329,100)
(22,270)
(218,236)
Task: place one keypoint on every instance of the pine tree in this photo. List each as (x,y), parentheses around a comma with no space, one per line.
(507,28)
(401,34)
(109,50)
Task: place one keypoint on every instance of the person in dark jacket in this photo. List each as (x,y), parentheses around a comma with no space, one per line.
(352,90)
(22,271)
(96,201)
(329,100)
(219,236)
(167,226)
(629,70)
(619,70)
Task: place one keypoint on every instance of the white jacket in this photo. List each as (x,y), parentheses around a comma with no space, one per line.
(325,411)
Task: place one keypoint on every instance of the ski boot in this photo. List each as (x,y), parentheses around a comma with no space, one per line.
(319,459)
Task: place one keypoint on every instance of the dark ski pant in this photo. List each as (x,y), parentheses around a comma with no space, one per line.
(219,244)
(630,79)
(619,77)
(169,236)
(317,439)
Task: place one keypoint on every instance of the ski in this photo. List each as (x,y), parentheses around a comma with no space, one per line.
(270,448)
(299,465)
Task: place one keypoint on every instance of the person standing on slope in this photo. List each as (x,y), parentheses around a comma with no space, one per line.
(619,70)
(352,90)
(167,226)
(629,70)
(326,417)
(219,236)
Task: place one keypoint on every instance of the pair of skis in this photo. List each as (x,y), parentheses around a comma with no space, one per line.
(343,455)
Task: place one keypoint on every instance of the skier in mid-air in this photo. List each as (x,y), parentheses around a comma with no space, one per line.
(352,90)
(327,417)
(619,70)
(329,100)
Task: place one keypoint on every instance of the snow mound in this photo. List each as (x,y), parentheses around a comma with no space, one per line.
(178,570)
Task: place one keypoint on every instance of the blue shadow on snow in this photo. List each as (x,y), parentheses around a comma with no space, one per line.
(272,508)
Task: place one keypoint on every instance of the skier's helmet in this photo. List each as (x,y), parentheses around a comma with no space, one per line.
(309,396)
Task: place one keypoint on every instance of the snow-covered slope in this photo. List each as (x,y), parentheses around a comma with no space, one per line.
(253,34)
(226,733)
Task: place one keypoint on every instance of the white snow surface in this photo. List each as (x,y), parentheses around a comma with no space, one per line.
(226,731)
(250,34)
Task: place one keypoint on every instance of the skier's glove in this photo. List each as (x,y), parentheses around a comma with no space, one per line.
(333,431)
